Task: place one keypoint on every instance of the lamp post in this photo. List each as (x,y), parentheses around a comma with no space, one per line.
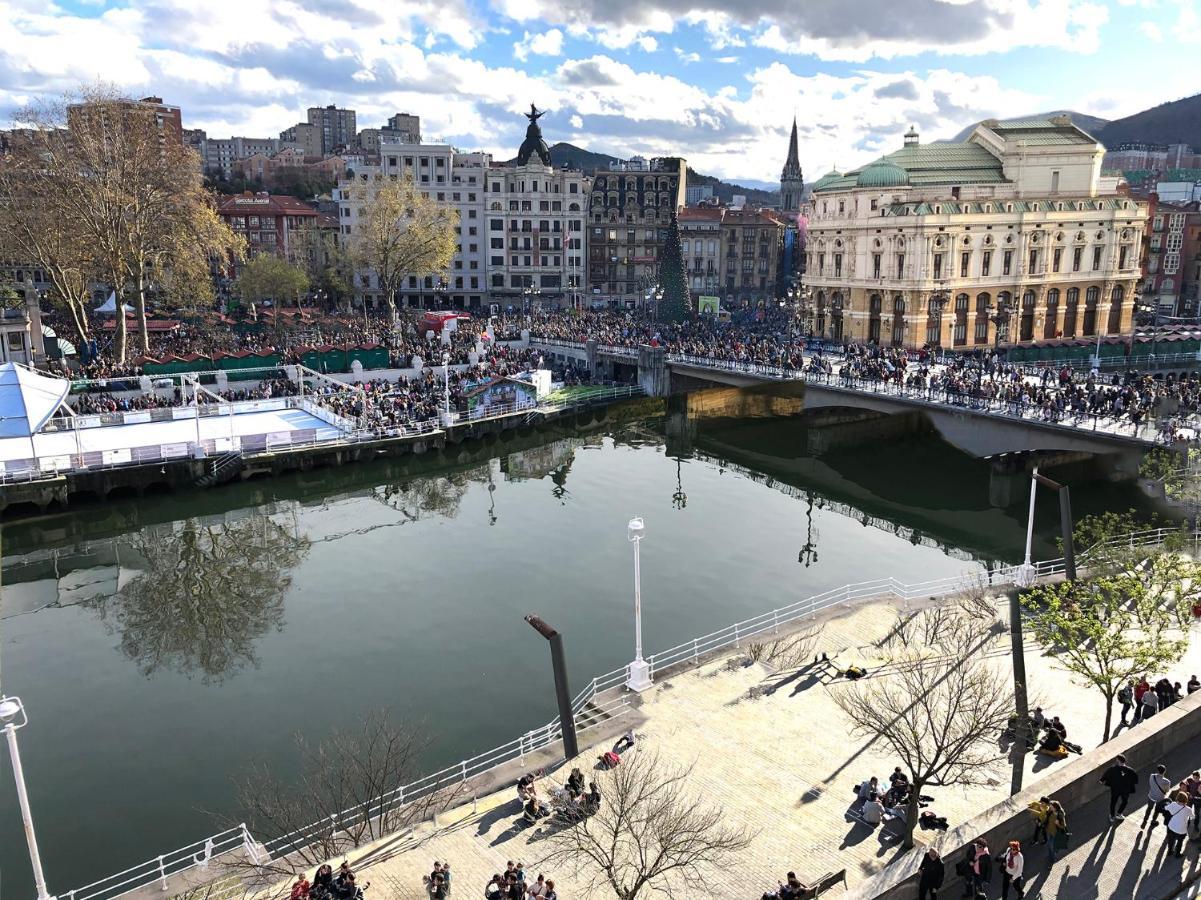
(640,670)
(446,382)
(12,716)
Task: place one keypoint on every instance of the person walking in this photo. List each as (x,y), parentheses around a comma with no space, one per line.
(932,873)
(1057,831)
(1126,698)
(1121,781)
(1012,864)
(1192,784)
(1158,786)
(980,865)
(1179,813)
(1150,704)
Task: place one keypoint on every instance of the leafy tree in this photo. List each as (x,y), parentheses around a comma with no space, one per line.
(676,305)
(938,708)
(400,232)
(1104,545)
(316,252)
(1115,627)
(267,277)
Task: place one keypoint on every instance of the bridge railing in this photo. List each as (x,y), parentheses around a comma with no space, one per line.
(357,818)
(976,401)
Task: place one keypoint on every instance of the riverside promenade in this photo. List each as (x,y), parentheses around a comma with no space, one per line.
(770,748)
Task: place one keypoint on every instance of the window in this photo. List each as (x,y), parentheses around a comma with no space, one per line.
(1057,259)
(1055,182)
(938,266)
(837,265)
(1096,258)
(965,263)
(900,265)
(981,334)
(1077,253)
(1007,262)
(961,302)
(1033,262)
(985,263)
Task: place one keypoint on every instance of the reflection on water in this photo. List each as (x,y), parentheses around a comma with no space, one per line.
(142,630)
(206,593)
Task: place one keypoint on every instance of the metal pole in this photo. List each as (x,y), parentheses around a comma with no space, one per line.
(1021,708)
(1065,524)
(571,747)
(35,859)
(637,603)
(1028,563)
(640,670)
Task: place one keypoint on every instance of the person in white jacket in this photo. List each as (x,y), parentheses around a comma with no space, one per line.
(1179,813)
(1013,864)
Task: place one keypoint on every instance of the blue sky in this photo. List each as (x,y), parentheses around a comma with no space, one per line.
(716,81)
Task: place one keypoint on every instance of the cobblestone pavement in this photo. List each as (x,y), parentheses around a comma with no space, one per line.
(772,751)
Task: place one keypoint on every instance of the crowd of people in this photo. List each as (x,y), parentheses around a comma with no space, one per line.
(773,340)
(107,403)
(328,885)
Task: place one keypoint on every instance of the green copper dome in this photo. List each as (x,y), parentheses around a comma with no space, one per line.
(826,179)
(882,174)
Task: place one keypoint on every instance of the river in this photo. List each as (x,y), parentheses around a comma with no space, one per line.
(161,645)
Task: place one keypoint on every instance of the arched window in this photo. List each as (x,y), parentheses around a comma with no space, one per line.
(1069,312)
(1092,298)
(961,302)
(1116,299)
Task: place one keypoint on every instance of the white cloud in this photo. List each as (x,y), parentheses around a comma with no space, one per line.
(725,60)
(1151,31)
(685,56)
(548,43)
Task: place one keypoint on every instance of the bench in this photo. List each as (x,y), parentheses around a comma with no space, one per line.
(823,884)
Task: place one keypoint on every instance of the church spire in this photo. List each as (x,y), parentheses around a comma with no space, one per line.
(793,163)
(792,183)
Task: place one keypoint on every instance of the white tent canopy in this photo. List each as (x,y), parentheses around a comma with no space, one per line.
(109,306)
(28,399)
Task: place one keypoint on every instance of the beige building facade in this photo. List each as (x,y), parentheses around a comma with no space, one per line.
(1012,236)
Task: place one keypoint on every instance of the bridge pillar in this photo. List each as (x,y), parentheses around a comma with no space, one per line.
(1008,481)
(680,427)
(653,376)
(590,349)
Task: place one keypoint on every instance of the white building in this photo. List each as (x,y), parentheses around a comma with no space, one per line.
(535,234)
(1012,235)
(449,177)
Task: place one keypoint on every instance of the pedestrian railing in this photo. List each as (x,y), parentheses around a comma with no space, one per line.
(198,856)
(361,820)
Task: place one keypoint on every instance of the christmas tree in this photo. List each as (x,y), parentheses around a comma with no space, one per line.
(676,305)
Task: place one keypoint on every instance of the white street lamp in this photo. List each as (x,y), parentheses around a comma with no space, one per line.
(12,716)
(640,670)
(446,377)
(1027,573)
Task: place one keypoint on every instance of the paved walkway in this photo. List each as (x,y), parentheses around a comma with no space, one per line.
(1117,861)
(771,750)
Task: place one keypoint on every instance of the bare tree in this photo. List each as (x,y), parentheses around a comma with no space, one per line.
(207,594)
(400,231)
(31,232)
(650,835)
(938,708)
(128,188)
(346,795)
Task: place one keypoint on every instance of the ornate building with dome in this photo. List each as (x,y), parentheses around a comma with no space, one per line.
(1012,236)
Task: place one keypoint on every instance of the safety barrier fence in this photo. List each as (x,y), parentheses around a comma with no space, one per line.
(972,400)
(596,702)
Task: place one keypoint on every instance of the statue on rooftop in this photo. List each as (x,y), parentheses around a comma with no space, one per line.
(533,142)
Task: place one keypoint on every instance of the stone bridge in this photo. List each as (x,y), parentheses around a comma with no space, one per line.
(980,428)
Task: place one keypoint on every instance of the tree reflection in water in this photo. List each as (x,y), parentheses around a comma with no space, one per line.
(207,593)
